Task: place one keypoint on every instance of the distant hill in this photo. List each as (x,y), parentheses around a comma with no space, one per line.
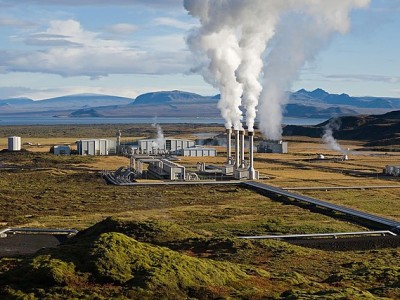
(172,97)
(15,101)
(305,104)
(320,96)
(89,100)
(61,105)
(376,130)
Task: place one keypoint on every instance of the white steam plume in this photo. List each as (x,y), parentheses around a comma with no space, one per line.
(233,36)
(160,140)
(300,36)
(328,138)
(254,39)
(219,43)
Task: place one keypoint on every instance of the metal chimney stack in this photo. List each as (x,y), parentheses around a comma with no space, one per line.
(237,150)
(229,146)
(118,147)
(242,162)
(251,158)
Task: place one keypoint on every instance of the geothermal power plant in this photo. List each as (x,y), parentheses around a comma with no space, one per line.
(241,168)
(160,156)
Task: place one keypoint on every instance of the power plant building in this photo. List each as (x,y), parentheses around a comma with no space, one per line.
(197,152)
(14,143)
(272,147)
(156,146)
(165,169)
(97,147)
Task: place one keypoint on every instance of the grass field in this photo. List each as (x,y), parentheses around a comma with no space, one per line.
(39,189)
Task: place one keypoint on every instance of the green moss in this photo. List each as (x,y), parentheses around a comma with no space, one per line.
(154,231)
(52,270)
(118,258)
(372,276)
(117,261)
(341,294)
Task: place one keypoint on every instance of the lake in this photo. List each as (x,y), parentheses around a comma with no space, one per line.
(6,120)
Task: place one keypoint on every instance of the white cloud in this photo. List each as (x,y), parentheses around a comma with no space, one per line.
(13,92)
(122,29)
(12,22)
(170,22)
(73,51)
(152,3)
(172,43)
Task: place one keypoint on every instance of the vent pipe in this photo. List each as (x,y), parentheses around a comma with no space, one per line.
(237,150)
(229,146)
(118,147)
(251,158)
(242,162)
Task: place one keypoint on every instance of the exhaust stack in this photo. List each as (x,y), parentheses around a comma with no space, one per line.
(242,161)
(252,174)
(237,150)
(229,146)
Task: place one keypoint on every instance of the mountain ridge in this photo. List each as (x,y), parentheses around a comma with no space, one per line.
(302,103)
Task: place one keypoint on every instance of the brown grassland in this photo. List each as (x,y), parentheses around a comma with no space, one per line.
(197,226)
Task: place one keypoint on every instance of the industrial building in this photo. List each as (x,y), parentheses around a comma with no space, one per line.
(157,146)
(272,147)
(150,151)
(97,147)
(61,150)
(14,143)
(165,169)
(196,152)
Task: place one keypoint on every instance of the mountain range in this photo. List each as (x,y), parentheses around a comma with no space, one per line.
(312,104)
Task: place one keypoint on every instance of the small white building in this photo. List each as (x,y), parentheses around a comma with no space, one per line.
(196,152)
(272,147)
(14,143)
(97,147)
(61,150)
(156,146)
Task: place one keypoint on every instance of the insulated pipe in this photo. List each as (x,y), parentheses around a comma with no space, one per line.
(241,159)
(237,151)
(229,146)
(251,149)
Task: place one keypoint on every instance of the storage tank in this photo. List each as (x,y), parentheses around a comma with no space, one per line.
(14,143)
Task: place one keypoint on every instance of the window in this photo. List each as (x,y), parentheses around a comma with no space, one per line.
(168,144)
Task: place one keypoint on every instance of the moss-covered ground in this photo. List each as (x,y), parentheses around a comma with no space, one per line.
(181,242)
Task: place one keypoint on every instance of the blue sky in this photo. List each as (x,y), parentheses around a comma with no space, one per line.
(57,47)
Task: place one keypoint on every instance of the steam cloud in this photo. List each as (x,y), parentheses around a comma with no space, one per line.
(328,138)
(239,41)
(160,140)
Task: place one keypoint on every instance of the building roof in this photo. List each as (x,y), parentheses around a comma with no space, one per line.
(166,139)
(199,148)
